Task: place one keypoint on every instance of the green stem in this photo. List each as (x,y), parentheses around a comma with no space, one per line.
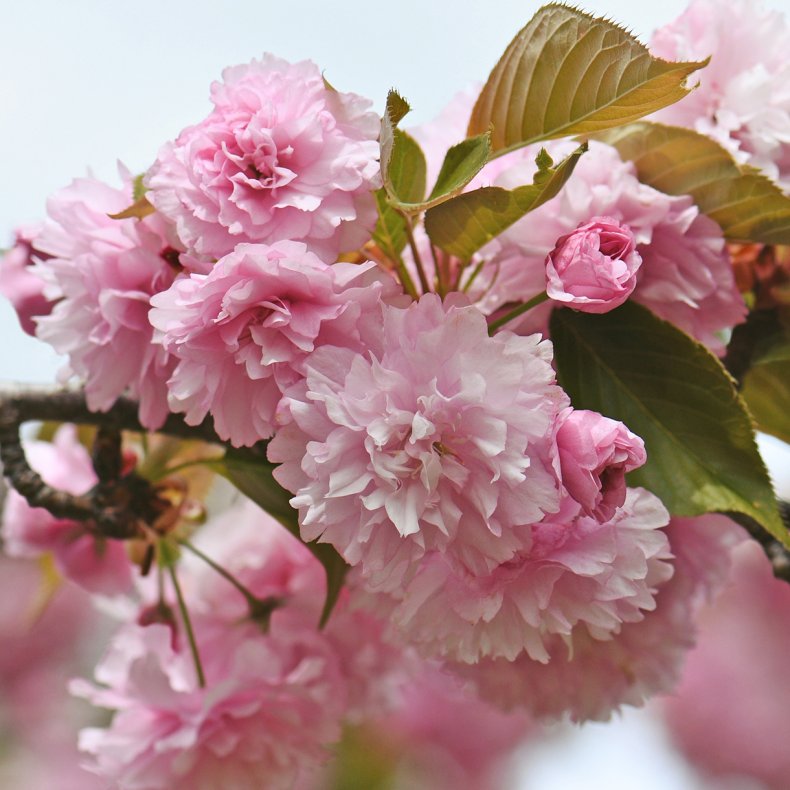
(416,255)
(405,279)
(220,570)
(468,284)
(517,311)
(260,608)
(182,606)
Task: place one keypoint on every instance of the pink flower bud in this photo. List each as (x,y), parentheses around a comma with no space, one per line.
(594,268)
(595,454)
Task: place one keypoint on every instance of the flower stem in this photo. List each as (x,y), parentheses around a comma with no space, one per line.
(182,606)
(517,311)
(416,255)
(260,608)
(219,569)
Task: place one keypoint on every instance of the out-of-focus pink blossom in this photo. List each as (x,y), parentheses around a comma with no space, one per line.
(274,695)
(269,708)
(43,633)
(440,440)
(441,736)
(242,332)
(575,574)
(731,713)
(104,271)
(593,268)
(97,564)
(281,156)
(743,99)
(587,677)
(595,453)
(19,284)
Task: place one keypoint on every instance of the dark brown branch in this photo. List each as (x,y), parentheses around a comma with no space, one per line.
(115,510)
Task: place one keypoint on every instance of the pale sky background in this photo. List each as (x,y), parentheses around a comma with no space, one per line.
(85,83)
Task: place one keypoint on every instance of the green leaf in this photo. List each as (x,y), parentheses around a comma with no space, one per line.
(402,160)
(569,73)
(766,390)
(670,390)
(390,231)
(746,204)
(461,164)
(463,224)
(252,475)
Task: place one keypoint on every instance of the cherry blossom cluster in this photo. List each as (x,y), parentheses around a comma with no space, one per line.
(498,564)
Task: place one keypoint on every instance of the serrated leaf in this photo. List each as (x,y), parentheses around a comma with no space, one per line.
(570,73)
(463,224)
(746,204)
(670,390)
(402,160)
(139,209)
(252,475)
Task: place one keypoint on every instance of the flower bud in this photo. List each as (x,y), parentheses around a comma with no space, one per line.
(594,268)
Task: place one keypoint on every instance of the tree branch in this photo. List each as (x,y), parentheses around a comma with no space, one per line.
(115,506)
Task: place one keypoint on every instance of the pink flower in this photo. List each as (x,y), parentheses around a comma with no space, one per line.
(441,736)
(44,633)
(440,440)
(276,690)
(686,276)
(19,284)
(269,708)
(588,677)
(281,156)
(575,573)
(104,272)
(594,268)
(242,332)
(595,453)
(731,712)
(742,100)
(99,565)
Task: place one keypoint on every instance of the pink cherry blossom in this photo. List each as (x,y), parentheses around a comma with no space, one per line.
(242,332)
(742,101)
(281,156)
(269,708)
(588,677)
(441,736)
(44,633)
(440,440)
(275,690)
(686,275)
(97,564)
(19,284)
(731,713)
(594,267)
(575,573)
(104,271)
(595,453)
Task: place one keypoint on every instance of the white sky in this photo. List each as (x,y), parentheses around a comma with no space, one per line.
(86,82)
